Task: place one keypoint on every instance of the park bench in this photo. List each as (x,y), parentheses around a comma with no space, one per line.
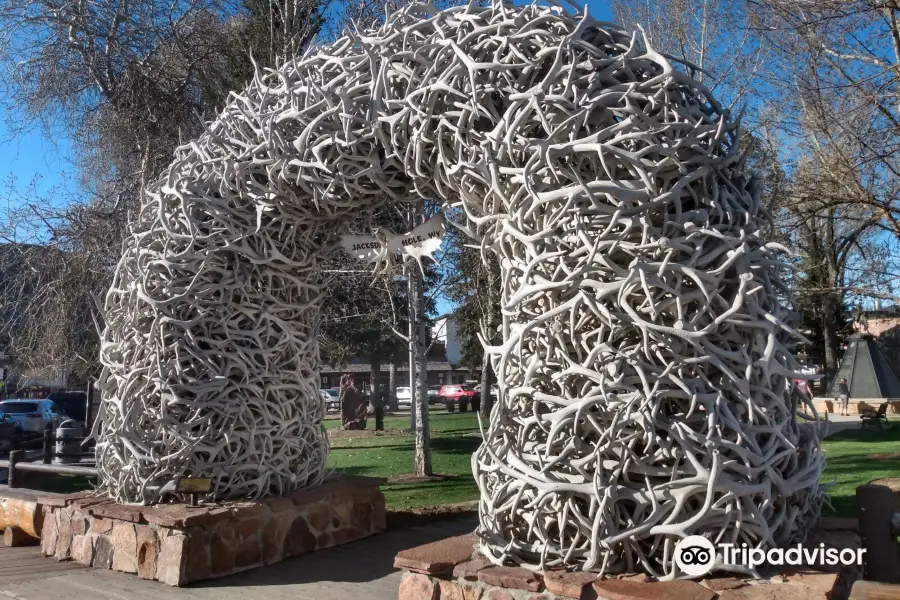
(877,417)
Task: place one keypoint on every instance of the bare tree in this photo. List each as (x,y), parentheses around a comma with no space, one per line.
(126,82)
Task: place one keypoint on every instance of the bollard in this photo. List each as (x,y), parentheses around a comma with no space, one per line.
(12,480)
(49,438)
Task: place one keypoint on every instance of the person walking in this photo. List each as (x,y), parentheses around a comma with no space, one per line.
(844,391)
(353,409)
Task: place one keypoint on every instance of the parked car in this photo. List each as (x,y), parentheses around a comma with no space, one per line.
(434,394)
(495,390)
(332,399)
(71,404)
(404,398)
(33,415)
(10,432)
(461,393)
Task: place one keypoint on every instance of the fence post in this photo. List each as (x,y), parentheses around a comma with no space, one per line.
(12,479)
(48,443)
(882,557)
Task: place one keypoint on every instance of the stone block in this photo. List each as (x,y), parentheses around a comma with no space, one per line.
(343,510)
(414,586)
(248,527)
(438,557)
(570,585)
(103,551)
(623,589)
(720,584)
(318,517)
(280,504)
(100,525)
(378,519)
(249,553)
(124,541)
(147,552)
(360,515)
(79,524)
(181,516)
(772,591)
(469,569)
(498,594)
(117,512)
(171,561)
(64,537)
(820,582)
(83,549)
(512,577)
(221,556)
(49,534)
(274,535)
(198,560)
(450,590)
(299,538)
(471,592)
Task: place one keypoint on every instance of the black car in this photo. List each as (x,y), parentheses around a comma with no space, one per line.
(71,404)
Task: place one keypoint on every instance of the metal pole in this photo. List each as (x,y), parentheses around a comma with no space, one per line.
(48,443)
(12,480)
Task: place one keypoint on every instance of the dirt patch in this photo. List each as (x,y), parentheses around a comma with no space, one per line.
(364,433)
(404,518)
(410,478)
(889,456)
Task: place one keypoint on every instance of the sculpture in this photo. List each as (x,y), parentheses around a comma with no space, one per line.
(645,367)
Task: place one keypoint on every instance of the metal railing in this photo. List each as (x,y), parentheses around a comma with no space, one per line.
(18,462)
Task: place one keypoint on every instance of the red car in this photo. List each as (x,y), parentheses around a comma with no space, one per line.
(463,393)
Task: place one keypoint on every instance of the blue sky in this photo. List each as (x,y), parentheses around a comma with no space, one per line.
(48,159)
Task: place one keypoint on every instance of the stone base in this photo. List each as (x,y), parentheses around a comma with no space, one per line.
(453,569)
(178,545)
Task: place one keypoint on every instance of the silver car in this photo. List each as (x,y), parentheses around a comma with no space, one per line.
(332,399)
(32,415)
(404,397)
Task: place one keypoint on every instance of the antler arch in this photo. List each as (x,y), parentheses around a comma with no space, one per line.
(643,371)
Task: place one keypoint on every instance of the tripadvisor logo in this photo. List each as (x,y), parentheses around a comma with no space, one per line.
(695,555)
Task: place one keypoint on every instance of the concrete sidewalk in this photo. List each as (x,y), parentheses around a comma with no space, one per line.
(363,570)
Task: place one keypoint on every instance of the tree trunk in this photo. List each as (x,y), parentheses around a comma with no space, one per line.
(375,365)
(830,339)
(392,384)
(423,434)
(489,331)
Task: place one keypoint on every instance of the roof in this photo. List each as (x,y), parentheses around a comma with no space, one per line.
(867,372)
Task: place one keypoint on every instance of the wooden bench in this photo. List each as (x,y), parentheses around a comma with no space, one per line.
(877,417)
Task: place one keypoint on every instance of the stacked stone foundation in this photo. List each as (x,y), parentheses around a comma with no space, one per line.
(178,545)
(454,569)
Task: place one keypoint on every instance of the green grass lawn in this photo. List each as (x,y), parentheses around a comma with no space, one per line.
(851,463)
(391,455)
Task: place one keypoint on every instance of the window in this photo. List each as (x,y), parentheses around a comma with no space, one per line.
(18,408)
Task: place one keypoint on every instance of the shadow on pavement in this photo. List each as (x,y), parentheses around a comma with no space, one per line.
(362,561)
